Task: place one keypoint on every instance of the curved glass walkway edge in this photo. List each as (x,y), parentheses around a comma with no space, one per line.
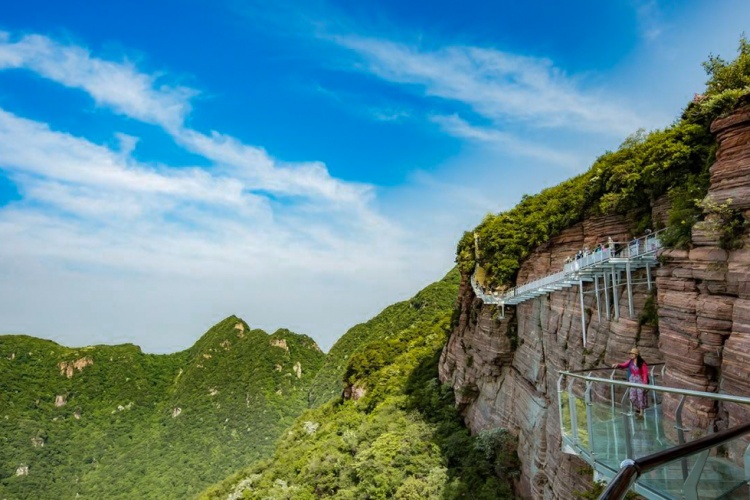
(599,425)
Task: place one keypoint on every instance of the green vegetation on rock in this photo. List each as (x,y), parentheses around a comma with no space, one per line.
(113,422)
(672,162)
(437,297)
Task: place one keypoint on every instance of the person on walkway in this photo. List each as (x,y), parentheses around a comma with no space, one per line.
(638,374)
(633,252)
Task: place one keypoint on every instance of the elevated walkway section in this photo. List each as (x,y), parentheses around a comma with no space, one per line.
(599,425)
(610,270)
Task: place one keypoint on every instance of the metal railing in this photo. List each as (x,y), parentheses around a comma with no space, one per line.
(598,424)
(638,248)
(631,470)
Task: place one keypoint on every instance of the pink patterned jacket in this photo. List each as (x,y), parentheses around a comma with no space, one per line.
(643,371)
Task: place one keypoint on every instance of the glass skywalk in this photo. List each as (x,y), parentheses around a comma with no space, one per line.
(598,424)
(609,269)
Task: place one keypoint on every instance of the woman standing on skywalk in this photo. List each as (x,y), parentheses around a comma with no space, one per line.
(638,374)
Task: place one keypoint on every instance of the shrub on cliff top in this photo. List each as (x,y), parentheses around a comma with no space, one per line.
(732,75)
(672,162)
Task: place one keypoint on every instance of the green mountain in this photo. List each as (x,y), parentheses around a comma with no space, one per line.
(396,433)
(435,298)
(113,422)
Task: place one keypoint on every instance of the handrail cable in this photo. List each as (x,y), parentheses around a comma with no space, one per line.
(631,470)
(662,388)
(602,368)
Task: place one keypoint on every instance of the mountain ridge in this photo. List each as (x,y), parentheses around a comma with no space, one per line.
(111,421)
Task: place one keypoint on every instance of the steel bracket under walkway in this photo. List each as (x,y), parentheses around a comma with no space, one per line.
(606,264)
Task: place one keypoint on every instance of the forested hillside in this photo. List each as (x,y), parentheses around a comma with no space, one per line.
(396,432)
(113,422)
(433,299)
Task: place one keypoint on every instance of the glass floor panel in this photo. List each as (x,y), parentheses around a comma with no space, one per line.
(611,436)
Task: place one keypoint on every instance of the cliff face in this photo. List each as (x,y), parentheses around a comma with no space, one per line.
(704,293)
(504,371)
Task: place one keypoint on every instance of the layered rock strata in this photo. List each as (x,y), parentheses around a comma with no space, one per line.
(704,296)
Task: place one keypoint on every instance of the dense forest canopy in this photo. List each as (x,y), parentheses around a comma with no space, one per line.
(113,422)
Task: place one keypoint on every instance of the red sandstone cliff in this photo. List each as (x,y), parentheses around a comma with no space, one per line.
(504,371)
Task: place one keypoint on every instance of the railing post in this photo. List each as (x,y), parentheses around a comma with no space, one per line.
(681,434)
(690,486)
(590,419)
(573,414)
(648,276)
(626,426)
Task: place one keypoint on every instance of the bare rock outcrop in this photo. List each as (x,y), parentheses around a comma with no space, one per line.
(280,343)
(67,368)
(730,174)
(504,371)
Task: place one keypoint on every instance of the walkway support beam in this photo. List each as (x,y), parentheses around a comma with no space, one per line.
(583,312)
(596,290)
(606,297)
(616,301)
(629,281)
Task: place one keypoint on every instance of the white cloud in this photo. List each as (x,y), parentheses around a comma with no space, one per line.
(117,85)
(123,88)
(254,165)
(31,148)
(136,259)
(649,19)
(95,227)
(389,114)
(498,85)
(60,175)
(507,142)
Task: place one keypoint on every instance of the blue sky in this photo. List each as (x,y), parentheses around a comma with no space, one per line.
(301,164)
